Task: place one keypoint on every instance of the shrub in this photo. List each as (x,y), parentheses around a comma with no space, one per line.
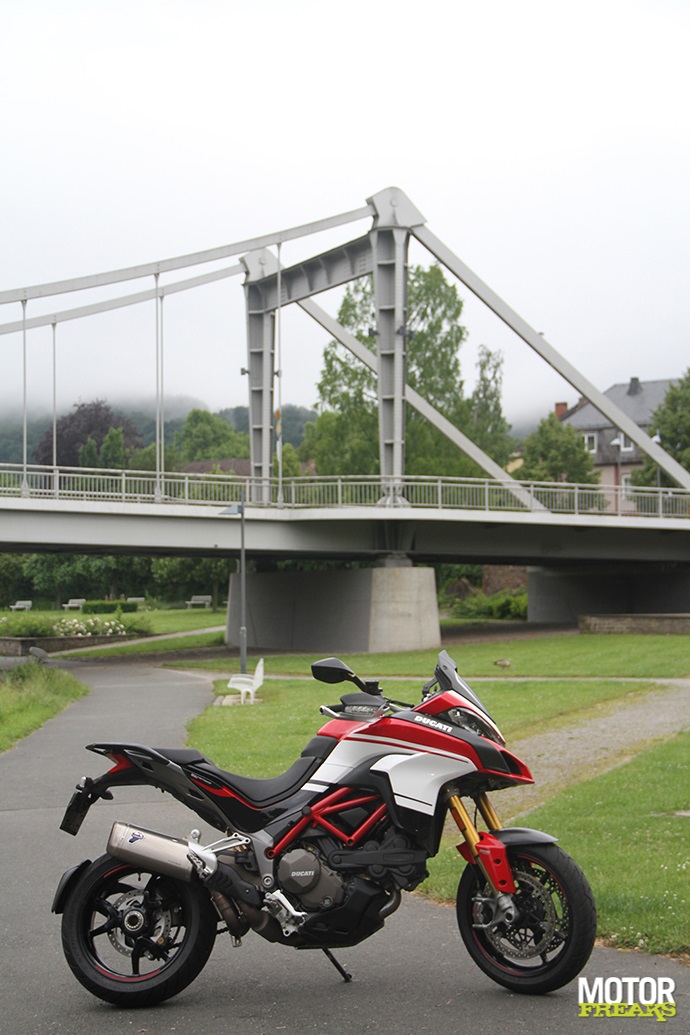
(506,604)
(108,607)
(26,625)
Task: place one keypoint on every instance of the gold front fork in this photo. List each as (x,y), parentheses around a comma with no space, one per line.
(488,812)
(465,824)
(472,836)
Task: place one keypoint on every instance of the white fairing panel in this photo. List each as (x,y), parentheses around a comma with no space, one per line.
(417,779)
(349,754)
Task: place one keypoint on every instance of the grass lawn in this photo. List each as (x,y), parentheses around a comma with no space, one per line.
(583,655)
(270,737)
(630,831)
(30,694)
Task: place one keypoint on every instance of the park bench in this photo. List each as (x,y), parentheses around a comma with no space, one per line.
(74,604)
(136,600)
(199,601)
(22,605)
(247,684)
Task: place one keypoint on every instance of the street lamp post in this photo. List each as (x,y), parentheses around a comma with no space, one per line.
(232,511)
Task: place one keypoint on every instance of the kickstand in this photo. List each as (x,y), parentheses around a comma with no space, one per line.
(341,970)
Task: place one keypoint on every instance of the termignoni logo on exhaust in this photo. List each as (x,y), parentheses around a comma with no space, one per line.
(627,997)
(135,836)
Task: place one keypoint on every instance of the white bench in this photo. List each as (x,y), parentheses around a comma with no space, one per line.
(199,601)
(248,685)
(74,604)
(22,605)
(136,600)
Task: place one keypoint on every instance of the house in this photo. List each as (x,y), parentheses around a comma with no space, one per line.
(615,456)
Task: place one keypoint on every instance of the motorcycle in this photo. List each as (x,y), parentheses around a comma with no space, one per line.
(317,858)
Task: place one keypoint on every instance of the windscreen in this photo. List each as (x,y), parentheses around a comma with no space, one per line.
(448,679)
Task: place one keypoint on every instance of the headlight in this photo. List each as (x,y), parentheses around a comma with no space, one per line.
(468,720)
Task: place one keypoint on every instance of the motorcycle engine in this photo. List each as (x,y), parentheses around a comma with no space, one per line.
(304,875)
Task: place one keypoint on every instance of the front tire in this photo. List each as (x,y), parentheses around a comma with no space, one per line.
(552,937)
(134,937)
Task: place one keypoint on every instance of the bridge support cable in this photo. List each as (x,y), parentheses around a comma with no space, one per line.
(59,287)
(124,300)
(279,376)
(25,482)
(160,393)
(561,365)
(54,326)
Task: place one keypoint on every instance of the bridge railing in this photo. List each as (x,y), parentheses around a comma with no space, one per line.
(477,494)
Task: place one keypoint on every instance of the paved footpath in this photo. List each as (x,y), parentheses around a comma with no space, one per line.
(412,977)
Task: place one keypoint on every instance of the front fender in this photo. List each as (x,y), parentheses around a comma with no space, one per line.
(523,836)
(65,885)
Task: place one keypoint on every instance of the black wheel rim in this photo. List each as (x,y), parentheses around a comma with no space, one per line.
(134,924)
(539,937)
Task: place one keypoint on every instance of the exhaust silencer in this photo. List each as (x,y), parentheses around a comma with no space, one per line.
(164,854)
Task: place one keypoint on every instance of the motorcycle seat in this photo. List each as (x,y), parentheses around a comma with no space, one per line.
(258,792)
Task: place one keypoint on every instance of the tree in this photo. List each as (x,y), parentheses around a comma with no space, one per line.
(556,452)
(344,438)
(206,437)
(63,575)
(671,422)
(14,584)
(73,430)
(175,578)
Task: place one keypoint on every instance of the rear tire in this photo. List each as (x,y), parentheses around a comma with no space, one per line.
(135,937)
(551,940)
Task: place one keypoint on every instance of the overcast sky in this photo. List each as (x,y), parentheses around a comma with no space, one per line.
(546,142)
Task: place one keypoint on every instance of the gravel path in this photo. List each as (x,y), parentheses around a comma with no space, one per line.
(578,750)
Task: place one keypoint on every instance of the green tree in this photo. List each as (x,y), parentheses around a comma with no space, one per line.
(14,584)
(556,452)
(112,453)
(176,578)
(89,454)
(207,437)
(292,468)
(671,422)
(344,438)
(63,575)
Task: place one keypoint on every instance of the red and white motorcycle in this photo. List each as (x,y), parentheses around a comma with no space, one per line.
(317,858)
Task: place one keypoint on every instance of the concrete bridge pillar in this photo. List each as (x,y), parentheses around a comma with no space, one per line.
(562,594)
(388,608)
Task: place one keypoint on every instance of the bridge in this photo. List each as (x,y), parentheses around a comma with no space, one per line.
(607,546)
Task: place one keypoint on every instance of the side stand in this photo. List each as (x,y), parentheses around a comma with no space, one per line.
(341,970)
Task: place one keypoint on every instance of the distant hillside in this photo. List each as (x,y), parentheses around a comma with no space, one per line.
(143,416)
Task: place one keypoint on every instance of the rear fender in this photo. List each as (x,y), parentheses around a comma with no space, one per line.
(66,885)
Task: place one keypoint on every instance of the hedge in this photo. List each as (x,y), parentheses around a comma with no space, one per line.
(108,607)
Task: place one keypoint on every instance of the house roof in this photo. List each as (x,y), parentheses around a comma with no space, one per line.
(637,399)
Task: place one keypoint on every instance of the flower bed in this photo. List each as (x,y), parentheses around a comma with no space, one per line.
(63,634)
(18,646)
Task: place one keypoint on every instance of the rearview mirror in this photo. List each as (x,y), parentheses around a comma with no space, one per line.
(333,670)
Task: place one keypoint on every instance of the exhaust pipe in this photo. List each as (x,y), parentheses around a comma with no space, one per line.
(168,855)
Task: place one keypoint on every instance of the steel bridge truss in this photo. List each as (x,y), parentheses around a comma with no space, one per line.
(269,286)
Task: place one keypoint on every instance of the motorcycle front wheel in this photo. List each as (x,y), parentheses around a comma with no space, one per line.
(552,936)
(135,937)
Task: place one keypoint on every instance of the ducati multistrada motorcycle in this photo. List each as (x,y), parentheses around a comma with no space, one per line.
(317,858)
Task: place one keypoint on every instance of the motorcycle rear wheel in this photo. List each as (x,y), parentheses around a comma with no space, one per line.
(551,939)
(134,937)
